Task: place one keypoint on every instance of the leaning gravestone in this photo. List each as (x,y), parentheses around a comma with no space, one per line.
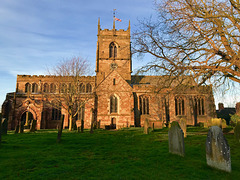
(176,139)
(4,126)
(218,150)
(183,125)
(237,131)
(146,126)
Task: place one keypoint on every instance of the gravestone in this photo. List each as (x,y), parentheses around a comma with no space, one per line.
(183,125)
(4,126)
(146,126)
(218,150)
(216,122)
(33,126)
(237,131)
(176,139)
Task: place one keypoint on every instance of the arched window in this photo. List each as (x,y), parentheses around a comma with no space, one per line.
(144,104)
(46,88)
(88,88)
(27,87)
(112,50)
(52,88)
(199,105)
(56,111)
(113,104)
(63,88)
(34,88)
(179,106)
(56,114)
(82,88)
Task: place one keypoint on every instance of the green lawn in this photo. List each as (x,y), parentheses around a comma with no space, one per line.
(123,154)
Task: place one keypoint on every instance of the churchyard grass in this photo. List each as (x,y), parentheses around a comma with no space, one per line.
(123,154)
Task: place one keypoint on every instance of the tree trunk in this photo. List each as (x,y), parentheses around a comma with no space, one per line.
(82,125)
(60,128)
(70,122)
(91,131)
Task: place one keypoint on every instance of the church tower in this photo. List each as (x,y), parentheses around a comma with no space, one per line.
(113,53)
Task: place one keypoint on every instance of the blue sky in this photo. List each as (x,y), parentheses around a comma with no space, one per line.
(36,34)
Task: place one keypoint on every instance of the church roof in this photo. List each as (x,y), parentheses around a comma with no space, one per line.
(151,80)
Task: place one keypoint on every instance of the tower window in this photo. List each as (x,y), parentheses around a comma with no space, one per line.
(34,88)
(88,88)
(112,50)
(46,88)
(114,81)
(52,88)
(27,87)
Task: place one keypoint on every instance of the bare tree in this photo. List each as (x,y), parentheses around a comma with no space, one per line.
(192,37)
(68,75)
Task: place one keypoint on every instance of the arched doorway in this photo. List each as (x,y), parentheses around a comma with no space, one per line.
(113,123)
(27,118)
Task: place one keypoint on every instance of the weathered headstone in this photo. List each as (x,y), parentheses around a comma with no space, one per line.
(237,131)
(33,126)
(176,139)
(218,150)
(216,122)
(183,126)
(4,126)
(146,126)
(205,124)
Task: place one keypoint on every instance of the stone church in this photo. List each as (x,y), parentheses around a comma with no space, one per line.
(116,97)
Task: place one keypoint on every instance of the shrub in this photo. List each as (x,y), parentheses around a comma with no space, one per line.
(234,119)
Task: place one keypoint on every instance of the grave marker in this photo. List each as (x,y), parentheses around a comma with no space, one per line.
(217,150)
(183,125)
(146,126)
(176,139)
